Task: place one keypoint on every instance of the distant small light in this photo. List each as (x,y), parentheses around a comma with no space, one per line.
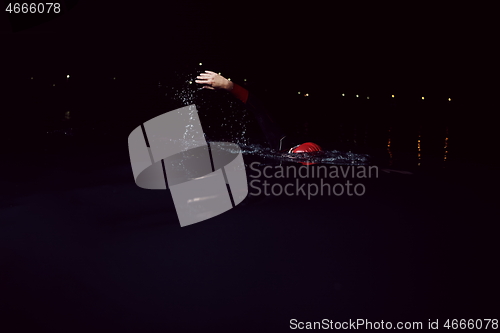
(67,76)
(220,73)
(423,98)
(343,94)
(244,80)
(32,79)
(229,79)
(114,78)
(449,99)
(392,96)
(200,64)
(53,84)
(190,82)
(367,97)
(357,95)
(298,93)
(306,95)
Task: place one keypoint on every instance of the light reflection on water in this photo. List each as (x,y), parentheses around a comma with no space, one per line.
(429,148)
(324,157)
(343,150)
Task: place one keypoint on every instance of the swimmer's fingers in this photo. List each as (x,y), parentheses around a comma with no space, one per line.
(204,75)
(210,72)
(205,81)
(205,78)
(205,86)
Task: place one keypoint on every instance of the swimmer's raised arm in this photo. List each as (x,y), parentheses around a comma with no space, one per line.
(214,81)
(271,130)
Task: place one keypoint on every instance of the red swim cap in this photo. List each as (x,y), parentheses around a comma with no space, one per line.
(307,147)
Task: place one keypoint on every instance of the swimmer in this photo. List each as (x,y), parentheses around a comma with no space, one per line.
(274,134)
(272,131)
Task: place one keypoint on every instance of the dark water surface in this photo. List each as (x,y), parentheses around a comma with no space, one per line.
(83,249)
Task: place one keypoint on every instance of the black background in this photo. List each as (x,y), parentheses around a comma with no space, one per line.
(84,249)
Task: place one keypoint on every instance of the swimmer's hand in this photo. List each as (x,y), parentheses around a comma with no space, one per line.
(214,81)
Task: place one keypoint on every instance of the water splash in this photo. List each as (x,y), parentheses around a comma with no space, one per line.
(335,157)
(223,117)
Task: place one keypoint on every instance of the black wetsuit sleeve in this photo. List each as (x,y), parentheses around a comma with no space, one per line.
(270,128)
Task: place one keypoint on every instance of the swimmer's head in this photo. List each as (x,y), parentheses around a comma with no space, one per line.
(308,147)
